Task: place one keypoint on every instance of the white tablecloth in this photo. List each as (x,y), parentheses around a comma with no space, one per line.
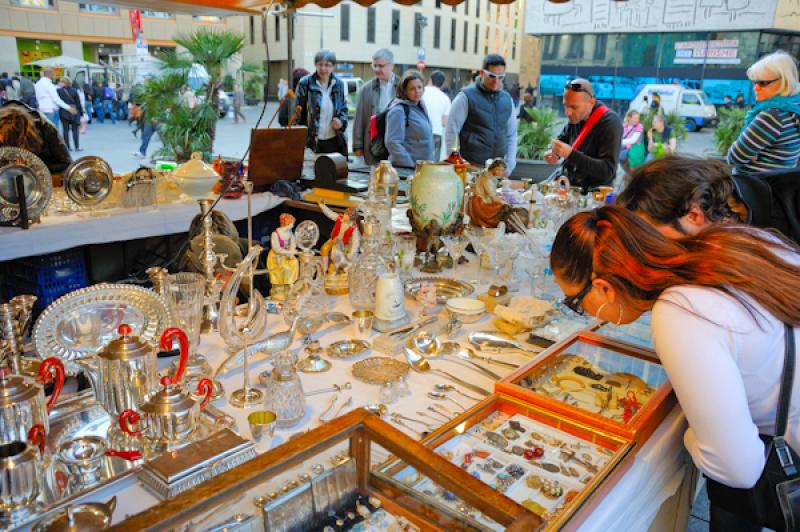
(57,233)
(631,505)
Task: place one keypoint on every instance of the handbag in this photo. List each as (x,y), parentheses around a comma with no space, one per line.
(774,501)
(636,155)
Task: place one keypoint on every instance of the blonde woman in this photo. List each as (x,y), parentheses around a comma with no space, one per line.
(770,139)
(632,134)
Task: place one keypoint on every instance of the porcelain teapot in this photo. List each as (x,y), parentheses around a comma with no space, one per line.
(195,177)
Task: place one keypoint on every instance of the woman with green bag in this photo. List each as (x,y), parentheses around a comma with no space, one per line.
(632,152)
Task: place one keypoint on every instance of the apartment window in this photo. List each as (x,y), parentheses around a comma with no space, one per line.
(438,4)
(344,22)
(207,18)
(437,31)
(575,50)
(454,9)
(371,24)
(486,41)
(155,14)
(395,26)
(466,7)
(600,44)
(47,4)
(475,40)
(477,8)
(551,46)
(466,31)
(453,34)
(514,48)
(98,8)
(252,30)
(417,30)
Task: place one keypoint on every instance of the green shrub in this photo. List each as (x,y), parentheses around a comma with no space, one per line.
(731,123)
(534,137)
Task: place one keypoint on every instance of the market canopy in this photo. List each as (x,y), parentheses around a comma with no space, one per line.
(64,61)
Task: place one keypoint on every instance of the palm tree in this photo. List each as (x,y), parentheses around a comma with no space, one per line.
(212,49)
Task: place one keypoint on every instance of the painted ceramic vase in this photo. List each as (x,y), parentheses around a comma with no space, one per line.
(436,194)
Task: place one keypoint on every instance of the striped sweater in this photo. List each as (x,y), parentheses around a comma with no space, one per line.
(770,142)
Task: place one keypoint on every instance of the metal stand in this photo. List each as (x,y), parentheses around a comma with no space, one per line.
(21,220)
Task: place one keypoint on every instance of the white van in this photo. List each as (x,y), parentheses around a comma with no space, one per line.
(693,105)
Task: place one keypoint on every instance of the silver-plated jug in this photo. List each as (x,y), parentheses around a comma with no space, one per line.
(23,403)
(21,476)
(124,372)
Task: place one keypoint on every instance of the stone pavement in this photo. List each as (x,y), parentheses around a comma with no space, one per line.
(116,143)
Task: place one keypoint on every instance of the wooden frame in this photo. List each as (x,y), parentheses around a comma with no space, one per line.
(361,429)
(641,425)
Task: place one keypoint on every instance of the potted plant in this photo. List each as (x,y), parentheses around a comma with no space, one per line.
(533,140)
(730,125)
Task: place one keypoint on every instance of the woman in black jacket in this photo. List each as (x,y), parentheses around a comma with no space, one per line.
(69,121)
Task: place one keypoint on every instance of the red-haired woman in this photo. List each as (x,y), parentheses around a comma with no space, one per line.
(719,302)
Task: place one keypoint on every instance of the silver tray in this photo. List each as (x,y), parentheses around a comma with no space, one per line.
(38,183)
(80,415)
(446,288)
(75,325)
(88,180)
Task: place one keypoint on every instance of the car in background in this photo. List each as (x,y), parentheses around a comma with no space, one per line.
(694,106)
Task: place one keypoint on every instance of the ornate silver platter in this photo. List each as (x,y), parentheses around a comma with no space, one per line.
(88,180)
(75,325)
(37,178)
(446,288)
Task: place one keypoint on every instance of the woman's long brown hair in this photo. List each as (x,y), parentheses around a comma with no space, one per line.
(620,247)
(18,129)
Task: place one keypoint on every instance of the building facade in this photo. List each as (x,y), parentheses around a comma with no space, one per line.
(621,46)
(38,29)
(451,39)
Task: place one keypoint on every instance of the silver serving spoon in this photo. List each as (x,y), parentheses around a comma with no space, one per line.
(452,349)
(441,387)
(441,396)
(446,412)
(464,352)
(495,343)
(420,365)
(437,420)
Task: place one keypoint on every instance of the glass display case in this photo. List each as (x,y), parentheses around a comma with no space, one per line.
(636,333)
(330,479)
(554,467)
(613,386)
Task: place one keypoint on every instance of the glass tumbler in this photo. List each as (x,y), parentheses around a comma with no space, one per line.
(186,293)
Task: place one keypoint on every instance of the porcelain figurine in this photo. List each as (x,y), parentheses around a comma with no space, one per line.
(281,260)
(485,207)
(436,197)
(426,296)
(340,249)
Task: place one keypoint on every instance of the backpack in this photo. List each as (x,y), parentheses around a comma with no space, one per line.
(108,93)
(377,132)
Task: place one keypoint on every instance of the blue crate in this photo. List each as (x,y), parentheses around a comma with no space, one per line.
(48,276)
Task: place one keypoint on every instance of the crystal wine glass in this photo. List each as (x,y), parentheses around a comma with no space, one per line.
(455,245)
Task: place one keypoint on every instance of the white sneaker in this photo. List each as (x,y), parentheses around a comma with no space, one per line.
(138,155)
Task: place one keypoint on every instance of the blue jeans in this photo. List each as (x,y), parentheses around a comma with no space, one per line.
(109,107)
(53,117)
(98,107)
(147,133)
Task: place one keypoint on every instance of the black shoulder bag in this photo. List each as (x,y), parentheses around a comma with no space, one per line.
(774,501)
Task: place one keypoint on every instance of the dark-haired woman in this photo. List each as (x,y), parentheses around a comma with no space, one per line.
(719,302)
(409,134)
(323,107)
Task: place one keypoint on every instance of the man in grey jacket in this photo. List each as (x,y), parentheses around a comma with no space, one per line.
(373,98)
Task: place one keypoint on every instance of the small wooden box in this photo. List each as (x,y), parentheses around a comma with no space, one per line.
(275,154)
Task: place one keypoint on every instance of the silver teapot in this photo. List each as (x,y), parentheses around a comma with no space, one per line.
(22,400)
(124,371)
(21,467)
(171,415)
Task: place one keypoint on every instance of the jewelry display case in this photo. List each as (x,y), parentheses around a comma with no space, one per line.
(616,387)
(552,466)
(636,333)
(329,479)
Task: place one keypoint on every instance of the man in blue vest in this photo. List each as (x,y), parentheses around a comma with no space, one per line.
(482,118)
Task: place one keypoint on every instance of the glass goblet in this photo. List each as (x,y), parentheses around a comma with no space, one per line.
(186,293)
(455,245)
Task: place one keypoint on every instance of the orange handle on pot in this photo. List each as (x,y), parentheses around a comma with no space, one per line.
(128,417)
(166,345)
(46,370)
(205,388)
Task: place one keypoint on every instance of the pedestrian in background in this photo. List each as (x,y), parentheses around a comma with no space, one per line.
(70,122)
(288,107)
(27,91)
(109,102)
(437,104)
(527,103)
(771,136)
(48,98)
(373,98)
(149,126)
(97,101)
(482,119)
(632,141)
(12,89)
(238,102)
(323,106)
(661,139)
(409,135)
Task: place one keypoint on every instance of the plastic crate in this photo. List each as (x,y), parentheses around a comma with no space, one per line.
(48,276)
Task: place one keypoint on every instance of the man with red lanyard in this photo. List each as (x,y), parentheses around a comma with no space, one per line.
(589,144)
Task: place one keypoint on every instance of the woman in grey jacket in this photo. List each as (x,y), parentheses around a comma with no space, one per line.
(409,136)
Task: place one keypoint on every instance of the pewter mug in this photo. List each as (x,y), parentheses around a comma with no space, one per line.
(19,477)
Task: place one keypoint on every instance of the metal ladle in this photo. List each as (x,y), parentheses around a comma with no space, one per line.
(441,387)
(419,364)
(441,396)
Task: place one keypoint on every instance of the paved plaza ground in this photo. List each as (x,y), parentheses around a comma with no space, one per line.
(116,143)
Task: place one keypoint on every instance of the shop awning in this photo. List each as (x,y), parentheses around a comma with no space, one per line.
(64,61)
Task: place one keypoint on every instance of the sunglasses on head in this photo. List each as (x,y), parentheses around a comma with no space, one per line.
(575,86)
(492,75)
(764,82)
(574,302)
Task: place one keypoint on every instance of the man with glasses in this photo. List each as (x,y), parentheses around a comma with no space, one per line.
(373,98)
(482,118)
(590,142)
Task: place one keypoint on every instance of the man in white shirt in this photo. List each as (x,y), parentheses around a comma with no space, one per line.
(48,98)
(437,105)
